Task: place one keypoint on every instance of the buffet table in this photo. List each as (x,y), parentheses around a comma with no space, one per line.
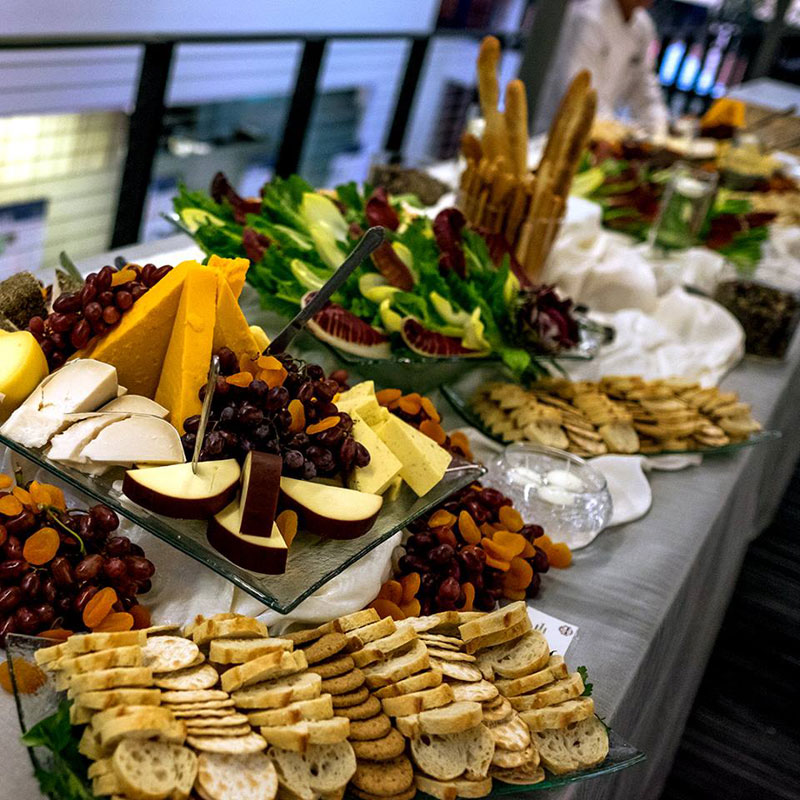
(648,597)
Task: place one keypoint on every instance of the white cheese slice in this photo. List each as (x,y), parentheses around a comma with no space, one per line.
(383,465)
(136,440)
(69,445)
(424,462)
(136,404)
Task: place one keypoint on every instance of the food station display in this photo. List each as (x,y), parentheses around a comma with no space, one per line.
(149,400)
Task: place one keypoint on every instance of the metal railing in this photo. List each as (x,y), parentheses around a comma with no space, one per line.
(147,116)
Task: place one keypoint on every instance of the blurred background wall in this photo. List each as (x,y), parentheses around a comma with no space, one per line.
(106,106)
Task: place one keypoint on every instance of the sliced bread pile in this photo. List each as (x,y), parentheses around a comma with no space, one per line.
(135,744)
(537,689)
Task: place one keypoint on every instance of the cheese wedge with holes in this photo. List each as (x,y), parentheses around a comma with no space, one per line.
(383,466)
(185,367)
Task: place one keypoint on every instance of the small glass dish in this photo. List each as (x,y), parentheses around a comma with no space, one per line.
(558,490)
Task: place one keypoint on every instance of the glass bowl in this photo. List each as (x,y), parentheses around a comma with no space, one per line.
(554,489)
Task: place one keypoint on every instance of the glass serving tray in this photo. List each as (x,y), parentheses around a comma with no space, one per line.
(458,397)
(313,560)
(32,708)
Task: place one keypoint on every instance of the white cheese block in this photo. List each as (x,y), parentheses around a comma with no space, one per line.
(135,404)
(424,462)
(69,445)
(383,465)
(361,400)
(80,385)
(136,440)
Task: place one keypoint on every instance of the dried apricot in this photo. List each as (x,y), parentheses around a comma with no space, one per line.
(5,480)
(497,563)
(386,396)
(269,362)
(469,531)
(141,616)
(511,518)
(23,496)
(445,535)
(41,547)
(391,591)
(298,412)
(115,621)
(412,608)
(469,596)
(125,275)
(459,441)
(521,573)
(514,594)
(409,406)
(287,525)
(29,678)
(512,543)
(10,506)
(272,377)
(99,607)
(487,529)
(496,550)
(430,409)
(240,379)
(560,555)
(528,551)
(323,425)
(58,634)
(56,497)
(386,608)
(433,430)
(40,493)
(410,584)
(441,518)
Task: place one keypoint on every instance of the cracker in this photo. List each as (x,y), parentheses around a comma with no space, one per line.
(371,707)
(217,722)
(195,678)
(351,698)
(384,777)
(341,684)
(370,729)
(169,653)
(391,745)
(193,696)
(333,667)
(234,730)
(251,743)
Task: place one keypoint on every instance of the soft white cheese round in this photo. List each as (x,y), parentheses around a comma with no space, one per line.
(556,495)
(525,475)
(564,479)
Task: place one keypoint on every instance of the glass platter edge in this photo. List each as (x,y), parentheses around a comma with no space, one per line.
(188,536)
(461,406)
(45,701)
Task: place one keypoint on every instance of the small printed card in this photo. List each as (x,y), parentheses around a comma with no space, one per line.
(559,634)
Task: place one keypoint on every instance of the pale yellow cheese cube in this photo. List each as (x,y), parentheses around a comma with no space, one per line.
(383,466)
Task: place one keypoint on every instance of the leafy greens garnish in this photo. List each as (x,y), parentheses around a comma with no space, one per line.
(587,687)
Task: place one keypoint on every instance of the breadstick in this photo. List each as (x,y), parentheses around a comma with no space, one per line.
(471,147)
(517,210)
(563,119)
(578,138)
(498,198)
(488,89)
(516,117)
(480,211)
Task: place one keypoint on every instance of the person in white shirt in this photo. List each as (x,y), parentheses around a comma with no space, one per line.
(611,38)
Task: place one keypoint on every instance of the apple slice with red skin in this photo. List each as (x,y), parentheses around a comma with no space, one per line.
(265,554)
(175,491)
(331,511)
(261,480)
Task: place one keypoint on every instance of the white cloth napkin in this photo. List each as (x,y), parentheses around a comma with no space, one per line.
(628,486)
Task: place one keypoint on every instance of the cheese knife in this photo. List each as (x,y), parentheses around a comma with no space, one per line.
(205,412)
(368,243)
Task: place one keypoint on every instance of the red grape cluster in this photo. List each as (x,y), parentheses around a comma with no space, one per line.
(258,417)
(89,557)
(98,306)
(446,562)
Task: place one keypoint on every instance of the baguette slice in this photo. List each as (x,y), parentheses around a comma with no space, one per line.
(272,665)
(280,692)
(115,678)
(369,633)
(100,767)
(555,670)
(382,649)
(228,776)
(454,718)
(147,724)
(185,773)
(494,621)
(477,692)
(450,790)
(415,702)
(51,655)
(310,634)
(323,768)
(448,756)
(236,628)
(428,679)
(559,716)
(97,701)
(510,634)
(515,659)
(89,642)
(396,669)
(317,708)
(359,619)
(99,718)
(550,695)
(580,745)
(146,770)
(105,785)
(79,715)
(89,745)
(239,651)
(130,656)
(299,736)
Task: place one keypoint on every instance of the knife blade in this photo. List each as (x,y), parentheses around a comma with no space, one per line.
(368,243)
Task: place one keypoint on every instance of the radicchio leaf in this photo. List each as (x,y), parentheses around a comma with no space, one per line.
(380,212)
(221,189)
(447,229)
(546,320)
(255,244)
(391,266)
